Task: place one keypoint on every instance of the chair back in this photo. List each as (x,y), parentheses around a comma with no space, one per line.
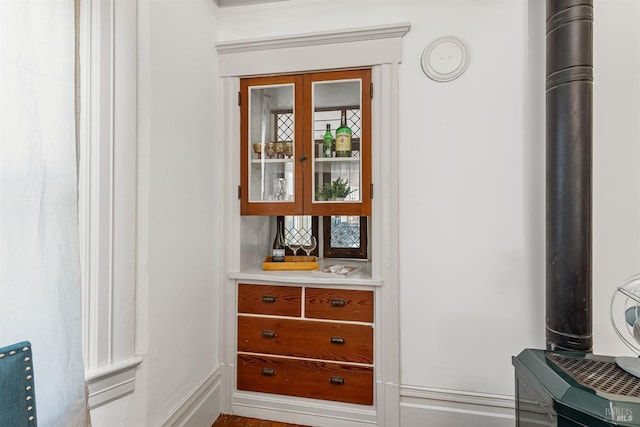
(17,389)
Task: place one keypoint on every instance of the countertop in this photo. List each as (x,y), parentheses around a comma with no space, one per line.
(362,276)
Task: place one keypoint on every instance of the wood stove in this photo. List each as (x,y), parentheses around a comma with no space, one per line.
(574,389)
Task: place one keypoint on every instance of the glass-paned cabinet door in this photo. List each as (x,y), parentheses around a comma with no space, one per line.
(339,126)
(291,163)
(271,144)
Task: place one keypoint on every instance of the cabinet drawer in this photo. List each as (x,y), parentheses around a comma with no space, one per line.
(306,338)
(306,378)
(339,304)
(273,300)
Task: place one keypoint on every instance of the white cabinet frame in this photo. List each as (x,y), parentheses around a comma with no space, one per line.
(377,47)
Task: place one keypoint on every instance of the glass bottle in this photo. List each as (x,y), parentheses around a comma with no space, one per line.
(343,137)
(277,251)
(327,142)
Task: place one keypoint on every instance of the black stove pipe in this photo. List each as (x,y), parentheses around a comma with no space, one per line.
(569,81)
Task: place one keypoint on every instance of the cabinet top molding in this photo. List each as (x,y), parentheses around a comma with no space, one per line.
(315,38)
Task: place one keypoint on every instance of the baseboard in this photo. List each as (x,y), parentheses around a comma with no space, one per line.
(202,406)
(298,410)
(422,406)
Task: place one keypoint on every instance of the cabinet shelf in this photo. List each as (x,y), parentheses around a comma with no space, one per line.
(337,159)
(266,161)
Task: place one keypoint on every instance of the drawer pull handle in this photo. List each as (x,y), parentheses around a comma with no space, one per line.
(268,334)
(268,372)
(338,340)
(338,303)
(337,381)
(268,298)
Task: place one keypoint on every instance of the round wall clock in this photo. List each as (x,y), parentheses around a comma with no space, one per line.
(445,59)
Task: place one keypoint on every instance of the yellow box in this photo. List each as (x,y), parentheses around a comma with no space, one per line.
(302,263)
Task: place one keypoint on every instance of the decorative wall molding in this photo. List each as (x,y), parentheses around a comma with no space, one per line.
(349,48)
(111,382)
(433,406)
(107,196)
(202,406)
(314,39)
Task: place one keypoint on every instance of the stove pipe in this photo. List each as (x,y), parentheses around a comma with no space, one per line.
(569,84)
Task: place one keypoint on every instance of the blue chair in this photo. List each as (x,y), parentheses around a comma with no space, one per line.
(17,389)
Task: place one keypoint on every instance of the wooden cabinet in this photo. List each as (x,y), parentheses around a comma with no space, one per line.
(283,120)
(322,348)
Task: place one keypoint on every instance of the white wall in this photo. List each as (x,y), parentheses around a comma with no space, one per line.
(472,176)
(616,150)
(467,285)
(178,171)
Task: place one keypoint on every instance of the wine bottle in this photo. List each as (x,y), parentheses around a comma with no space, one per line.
(343,137)
(277,252)
(327,142)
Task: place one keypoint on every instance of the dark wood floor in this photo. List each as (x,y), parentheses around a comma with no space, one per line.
(225,420)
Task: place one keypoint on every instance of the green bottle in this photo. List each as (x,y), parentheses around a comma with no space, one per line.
(343,137)
(327,142)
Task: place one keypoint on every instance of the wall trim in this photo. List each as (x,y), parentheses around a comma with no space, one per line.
(111,382)
(385,246)
(107,197)
(313,39)
(434,406)
(302,411)
(202,405)
(358,47)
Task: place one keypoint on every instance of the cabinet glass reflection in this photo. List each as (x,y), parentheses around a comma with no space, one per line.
(272,139)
